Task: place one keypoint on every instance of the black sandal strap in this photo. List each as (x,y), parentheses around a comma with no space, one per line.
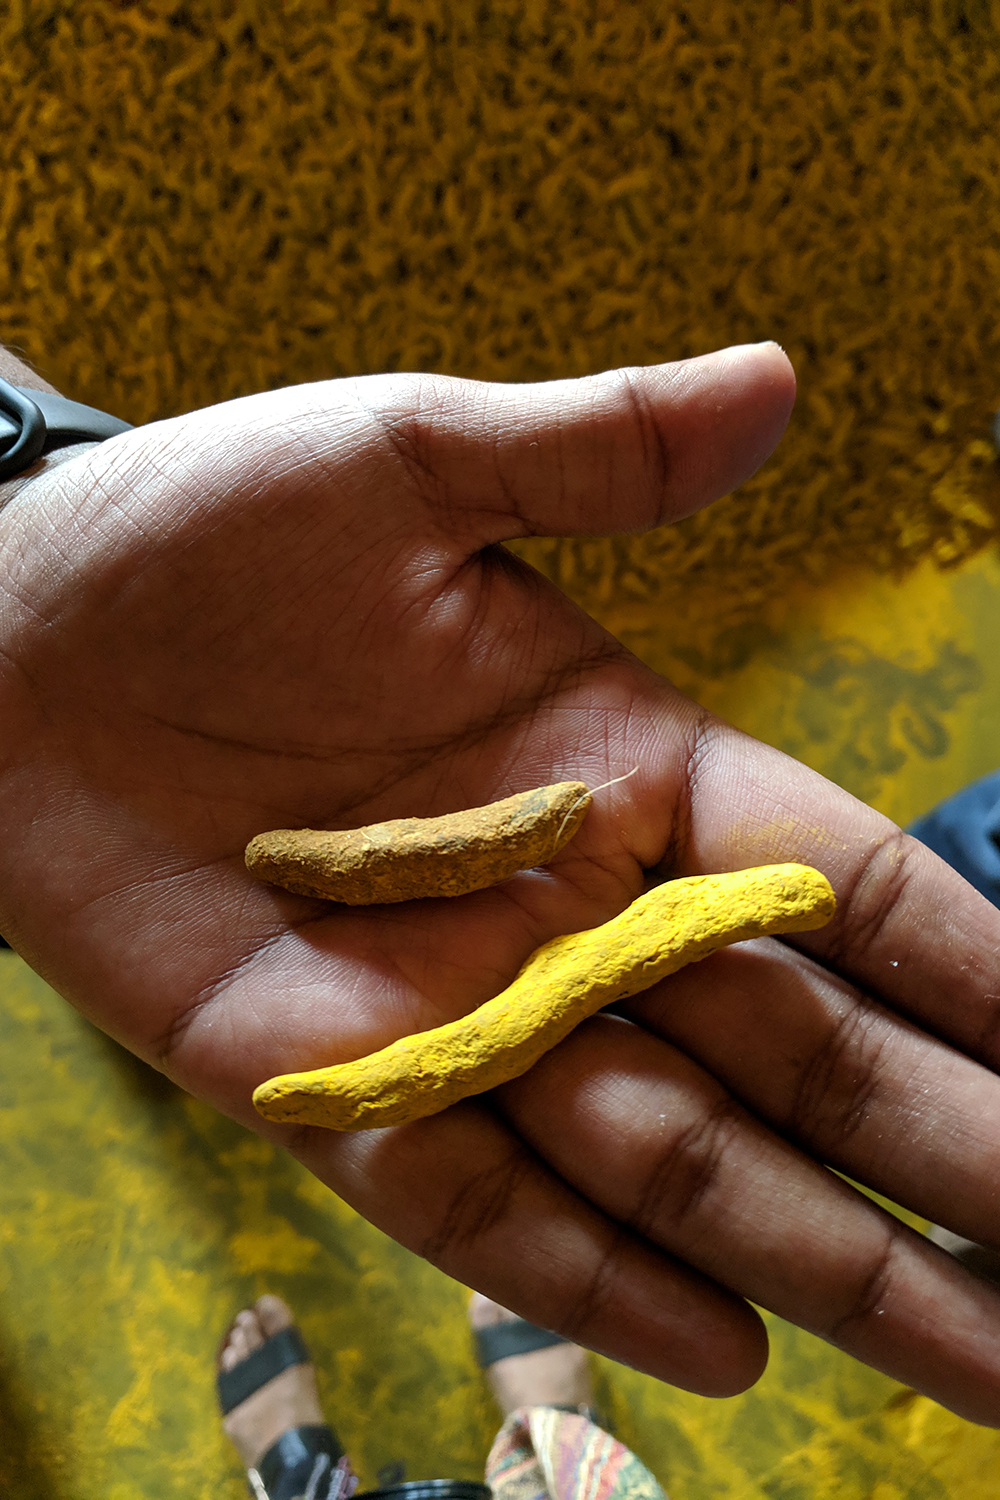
(498,1340)
(429,1489)
(301,1462)
(280,1352)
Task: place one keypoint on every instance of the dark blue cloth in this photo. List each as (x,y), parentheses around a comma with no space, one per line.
(965,831)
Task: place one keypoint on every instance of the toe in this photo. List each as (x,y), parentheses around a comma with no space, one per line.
(273,1315)
(251,1328)
(235,1348)
(249,1324)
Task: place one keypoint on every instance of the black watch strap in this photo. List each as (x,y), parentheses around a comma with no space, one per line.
(36,422)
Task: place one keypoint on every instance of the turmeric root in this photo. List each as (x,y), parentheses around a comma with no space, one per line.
(412,857)
(562,983)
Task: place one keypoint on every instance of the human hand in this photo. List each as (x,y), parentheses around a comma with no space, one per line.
(292,610)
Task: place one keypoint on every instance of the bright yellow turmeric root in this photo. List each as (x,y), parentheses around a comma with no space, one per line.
(564,982)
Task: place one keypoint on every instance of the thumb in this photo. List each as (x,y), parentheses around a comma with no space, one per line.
(626,450)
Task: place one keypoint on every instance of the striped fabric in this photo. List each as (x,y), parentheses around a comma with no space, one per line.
(541,1453)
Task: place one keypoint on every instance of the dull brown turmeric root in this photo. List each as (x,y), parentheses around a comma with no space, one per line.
(412,857)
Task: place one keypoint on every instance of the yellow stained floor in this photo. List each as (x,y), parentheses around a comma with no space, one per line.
(134,1222)
(890,688)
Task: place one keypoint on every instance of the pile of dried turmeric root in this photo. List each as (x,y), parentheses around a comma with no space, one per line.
(560,985)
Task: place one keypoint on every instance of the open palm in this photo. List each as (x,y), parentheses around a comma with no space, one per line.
(293,610)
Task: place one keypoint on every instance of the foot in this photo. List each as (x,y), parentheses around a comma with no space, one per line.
(288,1400)
(557,1376)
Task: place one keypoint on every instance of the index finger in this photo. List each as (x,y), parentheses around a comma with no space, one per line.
(908,928)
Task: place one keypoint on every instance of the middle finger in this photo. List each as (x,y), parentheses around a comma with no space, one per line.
(649,1136)
(855,1084)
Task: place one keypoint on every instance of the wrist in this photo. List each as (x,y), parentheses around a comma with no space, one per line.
(71,428)
(20,374)
(42,466)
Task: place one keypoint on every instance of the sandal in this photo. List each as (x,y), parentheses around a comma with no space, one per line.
(496,1341)
(306,1463)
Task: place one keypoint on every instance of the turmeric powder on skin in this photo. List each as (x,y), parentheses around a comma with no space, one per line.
(560,985)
